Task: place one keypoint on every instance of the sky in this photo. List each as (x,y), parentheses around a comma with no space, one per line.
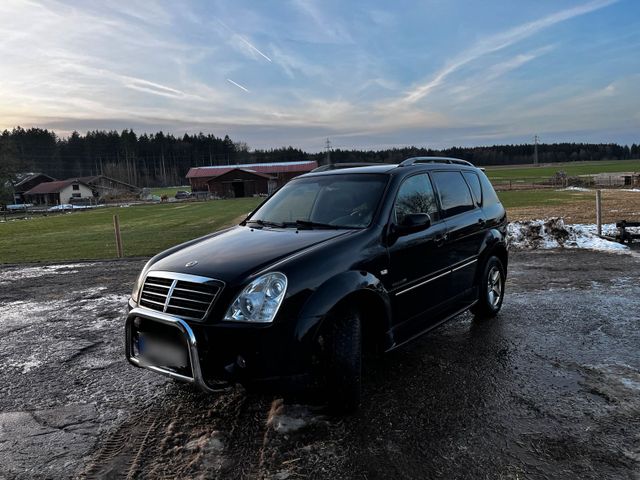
(366,75)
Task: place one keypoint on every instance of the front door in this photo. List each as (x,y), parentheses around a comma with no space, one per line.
(418,273)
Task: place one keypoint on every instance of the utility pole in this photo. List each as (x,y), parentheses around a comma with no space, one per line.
(328,147)
(535,149)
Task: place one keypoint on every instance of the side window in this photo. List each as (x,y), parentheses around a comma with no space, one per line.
(490,197)
(415,196)
(474,182)
(454,193)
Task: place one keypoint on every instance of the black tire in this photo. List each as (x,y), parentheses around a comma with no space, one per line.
(490,293)
(344,361)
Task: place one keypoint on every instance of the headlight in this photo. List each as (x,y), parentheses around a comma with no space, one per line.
(260,300)
(135,294)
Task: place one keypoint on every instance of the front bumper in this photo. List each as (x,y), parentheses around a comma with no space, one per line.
(183,327)
(219,355)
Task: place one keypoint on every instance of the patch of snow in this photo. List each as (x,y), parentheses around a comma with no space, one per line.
(574,189)
(630,189)
(553,233)
(631,384)
(25,366)
(77,305)
(21,273)
(285,424)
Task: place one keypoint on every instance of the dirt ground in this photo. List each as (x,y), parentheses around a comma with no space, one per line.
(548,389)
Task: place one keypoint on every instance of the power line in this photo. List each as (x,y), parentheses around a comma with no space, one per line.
(328,148)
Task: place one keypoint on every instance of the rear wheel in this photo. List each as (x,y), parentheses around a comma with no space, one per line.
(491,289)
(344,361)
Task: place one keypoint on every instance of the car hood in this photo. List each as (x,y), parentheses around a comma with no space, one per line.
(234,254)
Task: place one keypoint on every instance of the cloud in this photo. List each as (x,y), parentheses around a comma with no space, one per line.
(500,41)
(475,85)
(327,29)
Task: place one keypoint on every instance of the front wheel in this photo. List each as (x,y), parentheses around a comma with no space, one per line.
(344,361)
(491,289)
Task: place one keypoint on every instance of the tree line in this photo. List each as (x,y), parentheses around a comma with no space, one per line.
(160,159)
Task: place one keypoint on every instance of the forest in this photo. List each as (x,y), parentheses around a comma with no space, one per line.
(161,159)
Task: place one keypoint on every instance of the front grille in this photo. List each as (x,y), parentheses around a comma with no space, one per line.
(185,296)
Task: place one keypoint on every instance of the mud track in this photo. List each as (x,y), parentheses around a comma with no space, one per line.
(549,389)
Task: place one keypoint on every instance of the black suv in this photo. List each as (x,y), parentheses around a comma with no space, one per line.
(336,261)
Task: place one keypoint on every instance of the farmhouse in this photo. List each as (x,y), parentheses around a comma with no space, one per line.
(59,192)
(104,186)
(26,182)
(247,179)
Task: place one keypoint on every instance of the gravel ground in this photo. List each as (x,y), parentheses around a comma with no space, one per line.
(548,389)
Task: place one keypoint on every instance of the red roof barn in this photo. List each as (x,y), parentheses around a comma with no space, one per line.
(247,179)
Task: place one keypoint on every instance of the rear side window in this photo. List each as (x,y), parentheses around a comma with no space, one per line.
(415,196)
(474,183)
(490,197)
(454,193)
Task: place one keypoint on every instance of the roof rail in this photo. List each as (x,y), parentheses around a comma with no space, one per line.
(414,160)
(336,166)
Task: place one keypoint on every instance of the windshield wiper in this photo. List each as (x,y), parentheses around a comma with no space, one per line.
(308,224)
(264,223)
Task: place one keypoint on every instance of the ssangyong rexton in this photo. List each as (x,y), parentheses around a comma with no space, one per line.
(337,260)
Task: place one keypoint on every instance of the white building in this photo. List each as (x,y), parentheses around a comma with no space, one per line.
(59,192)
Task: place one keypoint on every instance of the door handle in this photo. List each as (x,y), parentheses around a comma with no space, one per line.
(440,239)
(482,222)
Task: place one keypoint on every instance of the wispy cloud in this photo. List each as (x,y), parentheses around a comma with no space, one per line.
(246,42)
(243,43)
(295,72)
(500,41)
(325,28)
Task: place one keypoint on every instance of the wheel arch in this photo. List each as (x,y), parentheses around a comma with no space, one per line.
(493,246)
(360,289)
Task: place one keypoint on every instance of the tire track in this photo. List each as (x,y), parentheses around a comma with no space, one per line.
(117,456)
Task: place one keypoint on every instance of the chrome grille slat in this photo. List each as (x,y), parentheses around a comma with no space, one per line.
(194,291)
(146,300)
(186,296)
(148,284)
(177,307)
(173,297)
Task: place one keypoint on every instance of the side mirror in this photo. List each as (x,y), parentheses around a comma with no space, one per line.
(413,222)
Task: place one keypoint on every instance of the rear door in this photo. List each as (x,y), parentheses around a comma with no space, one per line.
(466,225)
(418,275)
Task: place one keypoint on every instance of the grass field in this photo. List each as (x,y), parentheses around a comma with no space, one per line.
(546,197)
(169,191)
(146,230)
(572,169)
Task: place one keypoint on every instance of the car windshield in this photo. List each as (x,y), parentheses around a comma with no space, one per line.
(326,201)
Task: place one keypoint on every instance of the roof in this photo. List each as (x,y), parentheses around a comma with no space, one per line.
(272,167)
(252,172)
(396,169)
(52,187)
(94,178)
(27,177)
(382,168)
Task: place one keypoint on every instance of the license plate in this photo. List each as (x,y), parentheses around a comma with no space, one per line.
(160,352)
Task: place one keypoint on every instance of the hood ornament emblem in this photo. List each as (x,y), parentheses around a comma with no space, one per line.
(191,263)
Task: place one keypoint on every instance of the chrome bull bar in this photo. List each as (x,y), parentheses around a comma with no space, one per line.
(184,328)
